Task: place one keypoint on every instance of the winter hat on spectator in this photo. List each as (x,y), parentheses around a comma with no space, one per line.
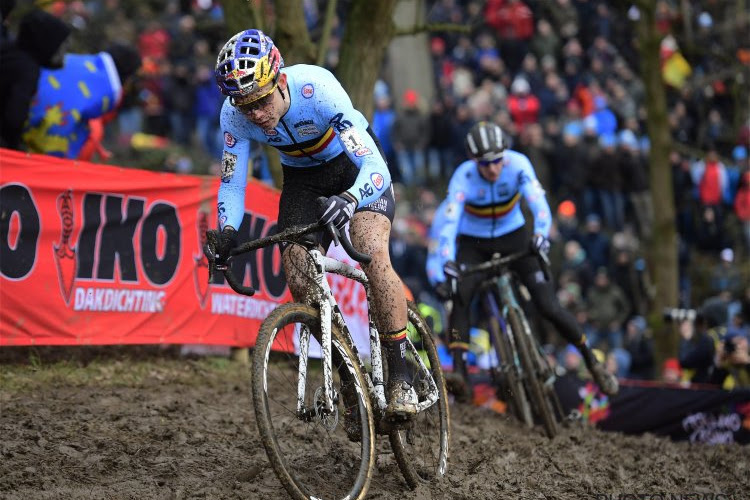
(437,45)
(381,90)
(566,209)
(727,255)
(127,60)
(671,366)
(705,20)
(520,86)
(410,97)
(627,138)
(739,153)
(639,322)
(573,129)
(589,124)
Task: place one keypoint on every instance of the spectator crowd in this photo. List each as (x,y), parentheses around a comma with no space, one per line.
(561,77)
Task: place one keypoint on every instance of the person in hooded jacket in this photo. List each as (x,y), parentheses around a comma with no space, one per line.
(40,44)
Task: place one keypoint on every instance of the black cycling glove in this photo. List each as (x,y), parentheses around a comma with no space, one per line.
(225,241)
(449,287)
(338,209)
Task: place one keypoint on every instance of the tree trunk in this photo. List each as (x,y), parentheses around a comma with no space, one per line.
(291,35)
(369,30)
(662,249)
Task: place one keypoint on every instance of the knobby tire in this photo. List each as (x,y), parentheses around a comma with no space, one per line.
(419,468)
(537,393)
(281,320)
(514,394)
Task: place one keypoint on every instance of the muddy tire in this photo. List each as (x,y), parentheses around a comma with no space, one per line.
(311,450)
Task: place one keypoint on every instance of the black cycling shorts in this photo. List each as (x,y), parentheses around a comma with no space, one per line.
(304,185)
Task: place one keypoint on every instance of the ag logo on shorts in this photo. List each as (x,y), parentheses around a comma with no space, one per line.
(377,180)
(308,90)
(229,140)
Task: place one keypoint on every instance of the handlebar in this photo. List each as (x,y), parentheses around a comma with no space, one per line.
(498,262)
(293,234)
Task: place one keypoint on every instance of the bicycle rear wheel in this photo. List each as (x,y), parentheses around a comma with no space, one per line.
(506,374)
(314,452)
(421,449)
(532,368)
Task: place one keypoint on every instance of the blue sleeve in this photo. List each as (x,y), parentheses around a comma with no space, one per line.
(234,160)
(533,191)
(351,129)
(444,248)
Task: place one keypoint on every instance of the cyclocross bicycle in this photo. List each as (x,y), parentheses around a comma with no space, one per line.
(523,377)
(317,407)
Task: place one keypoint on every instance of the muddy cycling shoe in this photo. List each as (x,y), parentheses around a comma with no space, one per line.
(402,400)
(461,389)
(606,381)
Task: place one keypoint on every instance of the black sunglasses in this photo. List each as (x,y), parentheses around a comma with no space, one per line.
(492,161)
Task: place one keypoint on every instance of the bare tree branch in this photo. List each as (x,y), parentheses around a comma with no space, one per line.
(433,27)
(325,34)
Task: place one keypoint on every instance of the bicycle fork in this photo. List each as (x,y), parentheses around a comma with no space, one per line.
(323,290)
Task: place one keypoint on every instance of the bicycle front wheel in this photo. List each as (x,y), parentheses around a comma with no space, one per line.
(316,451)
(421,449)
(532,370)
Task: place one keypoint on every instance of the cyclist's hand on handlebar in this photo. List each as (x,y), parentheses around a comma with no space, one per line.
(337,209)
(540,244)
(450,285)
(226,240)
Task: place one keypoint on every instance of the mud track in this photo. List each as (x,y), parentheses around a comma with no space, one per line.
(158,426)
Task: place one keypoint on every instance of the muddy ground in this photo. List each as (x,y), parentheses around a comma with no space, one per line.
(149,424)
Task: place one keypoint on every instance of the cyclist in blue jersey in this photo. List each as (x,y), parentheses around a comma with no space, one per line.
(327,150)
(482,216)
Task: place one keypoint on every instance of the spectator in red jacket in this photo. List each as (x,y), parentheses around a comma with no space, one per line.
(513,23)
(522,104)
(742,207)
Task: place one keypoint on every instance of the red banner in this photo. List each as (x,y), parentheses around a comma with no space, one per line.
(95,254)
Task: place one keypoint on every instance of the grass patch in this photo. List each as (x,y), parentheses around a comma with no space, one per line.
(16,378)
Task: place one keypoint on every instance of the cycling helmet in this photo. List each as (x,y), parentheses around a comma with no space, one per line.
(486,140)
(247,62)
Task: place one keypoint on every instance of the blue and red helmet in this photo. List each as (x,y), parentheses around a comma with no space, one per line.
(246,63)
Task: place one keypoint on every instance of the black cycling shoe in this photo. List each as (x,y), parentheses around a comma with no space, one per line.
(606,381)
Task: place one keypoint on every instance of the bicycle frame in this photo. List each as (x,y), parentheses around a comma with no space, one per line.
(323,297)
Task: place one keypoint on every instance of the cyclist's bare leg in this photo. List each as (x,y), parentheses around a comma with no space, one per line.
(370,233)
(298,268)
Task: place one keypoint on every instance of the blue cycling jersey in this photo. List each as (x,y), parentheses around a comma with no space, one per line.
(320,124)
(482,209)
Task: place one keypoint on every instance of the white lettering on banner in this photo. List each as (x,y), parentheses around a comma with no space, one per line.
(231,304)
(118,300)
(711,429)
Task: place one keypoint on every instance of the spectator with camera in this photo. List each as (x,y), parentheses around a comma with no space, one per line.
(733,356)
(696,351)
